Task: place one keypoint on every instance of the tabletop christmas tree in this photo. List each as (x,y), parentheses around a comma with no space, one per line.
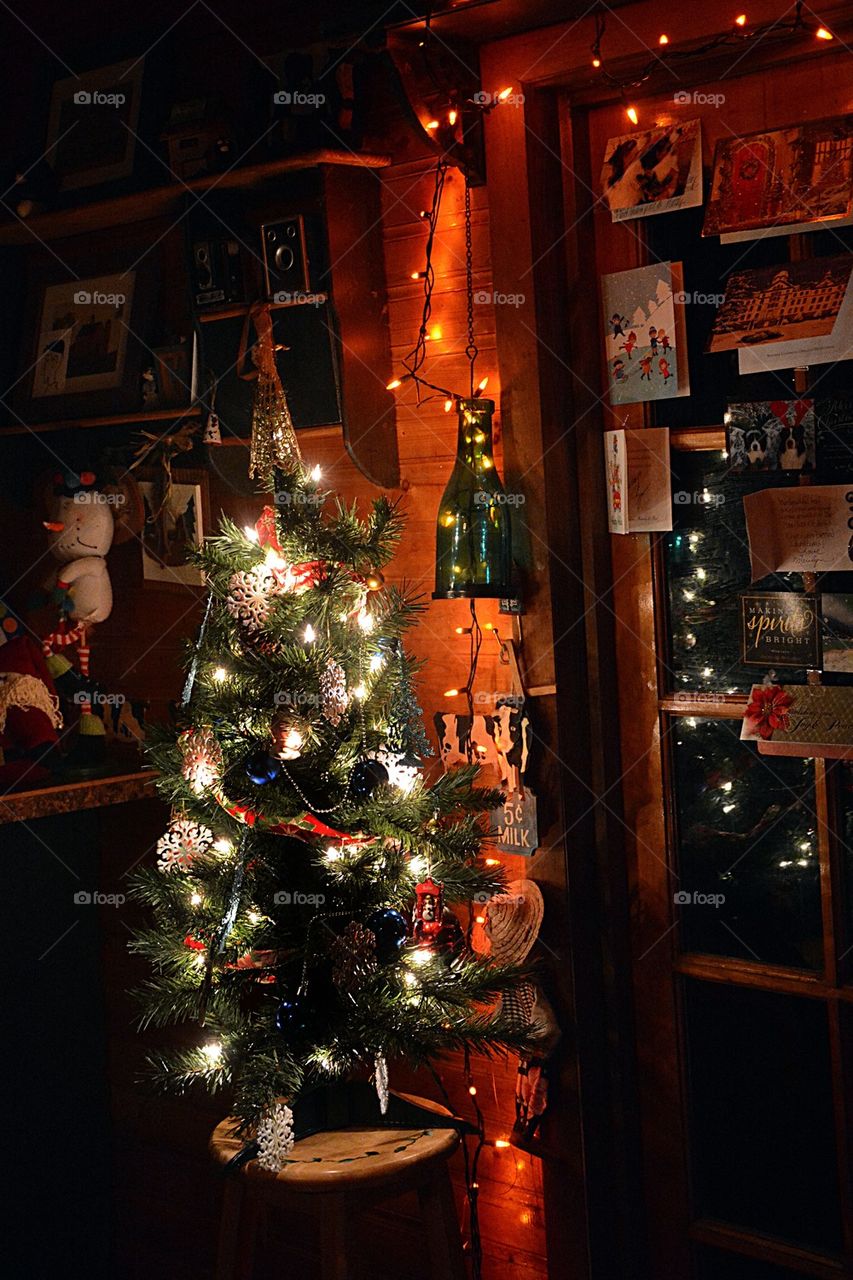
(302,898)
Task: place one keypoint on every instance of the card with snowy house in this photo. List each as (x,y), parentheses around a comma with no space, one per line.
(645,335)
(796,314)
(655,171)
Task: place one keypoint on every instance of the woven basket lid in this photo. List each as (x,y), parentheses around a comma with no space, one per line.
(512,921)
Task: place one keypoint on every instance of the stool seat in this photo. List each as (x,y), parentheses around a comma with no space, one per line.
(338,1174)
(348,1159)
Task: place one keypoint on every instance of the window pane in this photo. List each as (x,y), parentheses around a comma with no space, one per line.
(748,879)
(707,566)
(761,1113)
(845,855)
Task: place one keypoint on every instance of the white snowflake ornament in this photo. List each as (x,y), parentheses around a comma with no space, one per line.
(275,1137)
(182,843)
(249,595)
(202,755)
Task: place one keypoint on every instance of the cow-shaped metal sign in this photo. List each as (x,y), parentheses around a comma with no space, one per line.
(500,742)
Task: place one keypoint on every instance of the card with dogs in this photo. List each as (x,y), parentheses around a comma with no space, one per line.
(771,435)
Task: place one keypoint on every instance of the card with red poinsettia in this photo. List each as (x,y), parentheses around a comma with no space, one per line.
(800,720)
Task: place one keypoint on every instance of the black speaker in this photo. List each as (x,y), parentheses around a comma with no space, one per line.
(308,367)
(217,272)
(286,264)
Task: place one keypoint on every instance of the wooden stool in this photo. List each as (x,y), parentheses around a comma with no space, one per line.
(339,1174)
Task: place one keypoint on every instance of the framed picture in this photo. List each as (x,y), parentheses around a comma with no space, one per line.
(94,119)
(85,330)
(172,374)
(176,519)
(82,336)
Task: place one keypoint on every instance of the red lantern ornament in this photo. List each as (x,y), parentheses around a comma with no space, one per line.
(428,911)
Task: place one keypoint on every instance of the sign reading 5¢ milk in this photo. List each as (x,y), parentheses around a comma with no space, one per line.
(513,827)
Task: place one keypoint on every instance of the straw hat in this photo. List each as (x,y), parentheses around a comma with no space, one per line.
(511,923)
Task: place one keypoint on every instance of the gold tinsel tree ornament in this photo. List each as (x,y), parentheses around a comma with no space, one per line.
(274,445)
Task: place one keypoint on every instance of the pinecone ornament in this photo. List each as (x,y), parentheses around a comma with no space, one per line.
(250,593)
(178,847)
(333,691)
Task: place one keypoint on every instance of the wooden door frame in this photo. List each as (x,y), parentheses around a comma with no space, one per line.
(616,1104)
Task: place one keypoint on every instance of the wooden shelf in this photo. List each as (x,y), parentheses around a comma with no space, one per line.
(242,308)
(69,797)
(113,419)
(157,202)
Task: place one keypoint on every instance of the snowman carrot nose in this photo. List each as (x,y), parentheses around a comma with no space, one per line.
(54,526)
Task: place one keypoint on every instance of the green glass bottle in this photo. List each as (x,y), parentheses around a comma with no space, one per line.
(472,543)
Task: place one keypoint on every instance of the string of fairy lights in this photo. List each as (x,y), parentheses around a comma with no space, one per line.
(739,34)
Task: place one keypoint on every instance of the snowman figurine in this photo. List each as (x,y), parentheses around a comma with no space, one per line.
(85,521)
(81,533)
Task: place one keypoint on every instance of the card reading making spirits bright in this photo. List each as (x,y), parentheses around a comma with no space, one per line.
(645,337)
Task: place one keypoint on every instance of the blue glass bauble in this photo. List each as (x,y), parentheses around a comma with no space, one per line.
(292,1016)
(367,775)
(390,930)
(261,767)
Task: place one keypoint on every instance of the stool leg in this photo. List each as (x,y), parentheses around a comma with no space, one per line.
(236,1232)
(335,1242)
(438,1210)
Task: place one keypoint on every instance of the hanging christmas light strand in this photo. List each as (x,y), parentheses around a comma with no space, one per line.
(414,362)
(739,33)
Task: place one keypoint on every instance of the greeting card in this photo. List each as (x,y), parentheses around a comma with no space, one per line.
(655,171)
(771,435)
(639,487)
(782,180)
(645,335)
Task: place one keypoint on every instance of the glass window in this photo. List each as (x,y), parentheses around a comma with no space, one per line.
(748,879)
(707,567)
(761,1113)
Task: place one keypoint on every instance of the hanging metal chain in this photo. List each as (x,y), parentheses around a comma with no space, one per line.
(471,350)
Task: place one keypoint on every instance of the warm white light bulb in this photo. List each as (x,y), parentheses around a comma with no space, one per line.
(316,473)
(212,1051)
(376,662)
(310,634)
(332,854)
(421,957)
(251,532)
(365,620)
(223,845)
(360,691)
(196,900)
(220,674)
